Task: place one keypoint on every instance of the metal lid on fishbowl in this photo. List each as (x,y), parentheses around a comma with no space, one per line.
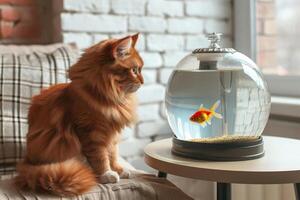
(214,57)
(214,46)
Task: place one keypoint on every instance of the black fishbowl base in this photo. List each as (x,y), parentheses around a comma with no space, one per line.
(229,151)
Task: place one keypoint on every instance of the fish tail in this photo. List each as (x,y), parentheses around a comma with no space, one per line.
(215,106)
(217,115)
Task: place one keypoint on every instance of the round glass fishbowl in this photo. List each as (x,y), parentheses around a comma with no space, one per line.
(217,96)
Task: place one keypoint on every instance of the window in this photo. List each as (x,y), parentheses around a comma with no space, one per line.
(278,32)
(269,32)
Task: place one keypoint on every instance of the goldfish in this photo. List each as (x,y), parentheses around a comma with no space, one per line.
(203,115)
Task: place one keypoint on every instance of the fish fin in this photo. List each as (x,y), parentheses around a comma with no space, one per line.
(201,124)
(201,106)
(218,115)
(209,118)
(208,121)
(215,106)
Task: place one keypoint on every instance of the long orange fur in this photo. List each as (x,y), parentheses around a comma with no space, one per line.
(83,118)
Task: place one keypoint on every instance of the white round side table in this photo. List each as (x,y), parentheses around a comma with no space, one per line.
(280,164)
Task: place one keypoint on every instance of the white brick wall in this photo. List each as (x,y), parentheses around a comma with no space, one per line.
(151,93)
(99,37)
(147,24)
(171,58)
(185,25)
(133,146)
(150,76)
(165,42)
(83,40)
(101,6)
(213,25)
(128,7)
(127,133)
(93,23)
(167,8)
(148,129)
(149,112)
(209,8)
(151,59)
(193,42)
(164,75)
(169,29)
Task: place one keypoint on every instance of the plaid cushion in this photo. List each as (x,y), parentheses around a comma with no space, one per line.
(24,71)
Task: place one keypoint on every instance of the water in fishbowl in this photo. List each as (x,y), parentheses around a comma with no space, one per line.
(217,106)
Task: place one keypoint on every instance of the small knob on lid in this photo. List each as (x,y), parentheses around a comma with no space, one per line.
(214,39)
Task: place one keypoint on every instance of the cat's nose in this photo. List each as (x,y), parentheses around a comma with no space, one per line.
(140,77)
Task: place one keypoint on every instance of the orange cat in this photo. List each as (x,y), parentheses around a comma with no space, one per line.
(83,118)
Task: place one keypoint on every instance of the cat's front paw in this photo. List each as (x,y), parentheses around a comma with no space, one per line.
(125,173)
(109,177)
(117,168)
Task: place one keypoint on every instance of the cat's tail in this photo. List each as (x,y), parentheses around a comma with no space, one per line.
(67,178)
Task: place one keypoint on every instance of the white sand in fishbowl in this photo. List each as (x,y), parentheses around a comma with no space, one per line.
(225,139)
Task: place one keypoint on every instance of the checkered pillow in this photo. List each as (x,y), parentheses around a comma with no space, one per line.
(24,71)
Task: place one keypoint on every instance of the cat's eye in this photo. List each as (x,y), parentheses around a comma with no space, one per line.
(135,70)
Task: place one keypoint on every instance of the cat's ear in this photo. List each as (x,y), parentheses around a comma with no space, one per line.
(121,48)
(134,39)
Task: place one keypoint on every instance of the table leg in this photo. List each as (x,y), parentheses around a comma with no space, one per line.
(223,191)
(162,174)
(297,190)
